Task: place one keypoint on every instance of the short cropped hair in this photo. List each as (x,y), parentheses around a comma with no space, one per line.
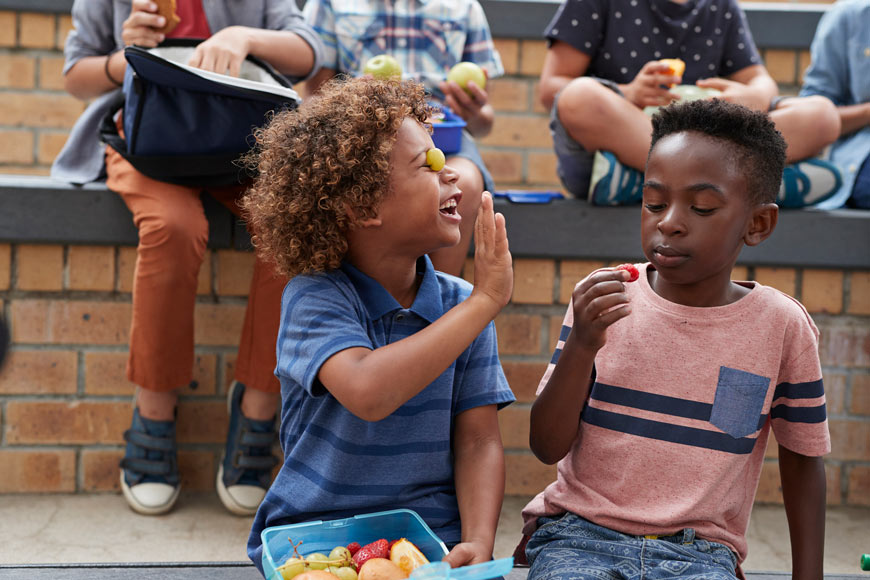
(755,142)
(323,167)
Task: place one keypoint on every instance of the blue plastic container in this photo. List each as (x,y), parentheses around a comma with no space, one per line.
(447,134)
(323,536)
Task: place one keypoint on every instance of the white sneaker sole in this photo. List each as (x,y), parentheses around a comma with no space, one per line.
(143,509)
(228,500)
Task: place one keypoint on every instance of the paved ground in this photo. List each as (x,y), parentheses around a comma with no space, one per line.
(101,528)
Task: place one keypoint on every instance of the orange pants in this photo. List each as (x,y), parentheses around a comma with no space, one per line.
(173,233)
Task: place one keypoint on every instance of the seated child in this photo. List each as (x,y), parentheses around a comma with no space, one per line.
(389,370)
(662,393)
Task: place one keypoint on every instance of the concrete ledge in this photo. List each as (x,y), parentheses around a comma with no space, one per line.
(773,25)
(41,210)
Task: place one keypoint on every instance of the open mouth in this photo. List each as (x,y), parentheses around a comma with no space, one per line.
(449,206)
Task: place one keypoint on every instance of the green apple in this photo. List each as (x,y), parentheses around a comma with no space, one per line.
(383,67)
(462,72)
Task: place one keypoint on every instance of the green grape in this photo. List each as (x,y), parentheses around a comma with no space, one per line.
(340,555)
(316,561)
(345,573)
(291,568)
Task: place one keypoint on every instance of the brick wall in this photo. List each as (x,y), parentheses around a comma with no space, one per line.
(36,114)
(64,401)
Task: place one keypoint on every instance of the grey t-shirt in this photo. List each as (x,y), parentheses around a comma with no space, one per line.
(620,36)
(97,31)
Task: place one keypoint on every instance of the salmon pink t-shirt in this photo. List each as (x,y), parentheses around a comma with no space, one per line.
(674,431)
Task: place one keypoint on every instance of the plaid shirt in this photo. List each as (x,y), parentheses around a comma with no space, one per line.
(427,37)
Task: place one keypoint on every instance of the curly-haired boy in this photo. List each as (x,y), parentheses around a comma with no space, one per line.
(662,393)
(389,370)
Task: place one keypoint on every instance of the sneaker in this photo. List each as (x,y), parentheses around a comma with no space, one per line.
(808,182)
(613,183)
(246,467)
(149,469)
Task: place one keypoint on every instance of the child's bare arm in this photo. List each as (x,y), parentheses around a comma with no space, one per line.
(479,474)
(803,490)
(598,302)
(225,50)
(372,384)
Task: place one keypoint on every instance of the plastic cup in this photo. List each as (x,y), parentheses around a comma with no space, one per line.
(432,571)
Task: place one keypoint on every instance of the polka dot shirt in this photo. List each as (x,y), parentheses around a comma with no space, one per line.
(620,36)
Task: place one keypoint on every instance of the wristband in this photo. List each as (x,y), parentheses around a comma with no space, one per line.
(106,70)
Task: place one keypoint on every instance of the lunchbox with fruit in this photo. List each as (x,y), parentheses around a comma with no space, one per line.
(390,545)
(447,130)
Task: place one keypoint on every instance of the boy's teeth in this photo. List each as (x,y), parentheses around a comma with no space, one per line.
(448,204)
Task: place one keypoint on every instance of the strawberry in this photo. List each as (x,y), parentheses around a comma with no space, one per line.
(353,548)
(631,269)
(377,549)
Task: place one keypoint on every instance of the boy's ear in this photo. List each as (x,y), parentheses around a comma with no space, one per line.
(762,223)
(358,223)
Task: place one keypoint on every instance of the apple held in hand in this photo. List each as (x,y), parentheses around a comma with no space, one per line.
(463,72)
(383,67)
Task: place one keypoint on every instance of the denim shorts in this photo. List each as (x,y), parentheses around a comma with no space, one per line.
(571,548)
(468,150)
(573,161)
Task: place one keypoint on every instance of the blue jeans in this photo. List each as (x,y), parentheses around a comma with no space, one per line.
(572,548)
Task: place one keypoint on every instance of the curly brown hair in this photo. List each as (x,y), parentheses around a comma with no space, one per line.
(323,167)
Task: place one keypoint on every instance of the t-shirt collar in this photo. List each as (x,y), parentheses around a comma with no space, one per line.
(379,302)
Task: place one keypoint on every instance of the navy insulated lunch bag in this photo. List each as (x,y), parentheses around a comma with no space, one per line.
(188,126)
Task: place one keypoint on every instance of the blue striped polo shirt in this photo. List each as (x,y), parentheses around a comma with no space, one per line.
(337,465)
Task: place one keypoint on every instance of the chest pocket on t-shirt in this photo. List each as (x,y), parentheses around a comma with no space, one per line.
(739,400)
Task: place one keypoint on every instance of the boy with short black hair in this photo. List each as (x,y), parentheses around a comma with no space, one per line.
(661,394)
(389,371)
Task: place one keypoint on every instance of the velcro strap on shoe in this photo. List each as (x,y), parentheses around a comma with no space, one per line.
(146,466)
(257,462)
(253,439)
(140,439)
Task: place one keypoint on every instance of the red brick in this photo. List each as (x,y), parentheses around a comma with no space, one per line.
(66,423)
(204,278)
(860,404)
(50,144)
(91,268)
(739,273)
(772,449)
(5,266)
(509,50)
(554,331)
(235,270)
(202,422)
(37,372)
(24,169)
(218,324)
(515,131)
(537,103)
(37,30)
(822,291)
(523,378)
(101,470)
(506,94)
(525,475)
(40,267)
(513,423)
(769,488)
(27,109)
(850,439)
(542,169)
(70,322)
(833,474)
(51,73)
(37,471)
(781,65)
(8,28)
(503,165)
(17,71)
(533,281)
(803,63)
(859,293)
(106,374)
(532,53)
(844,343)
(859,485)
(783,279)
(835,392)
(518,334)
(571,272)
(64,26)
(229,371)
(16,146)
(197,469)
(126,268)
